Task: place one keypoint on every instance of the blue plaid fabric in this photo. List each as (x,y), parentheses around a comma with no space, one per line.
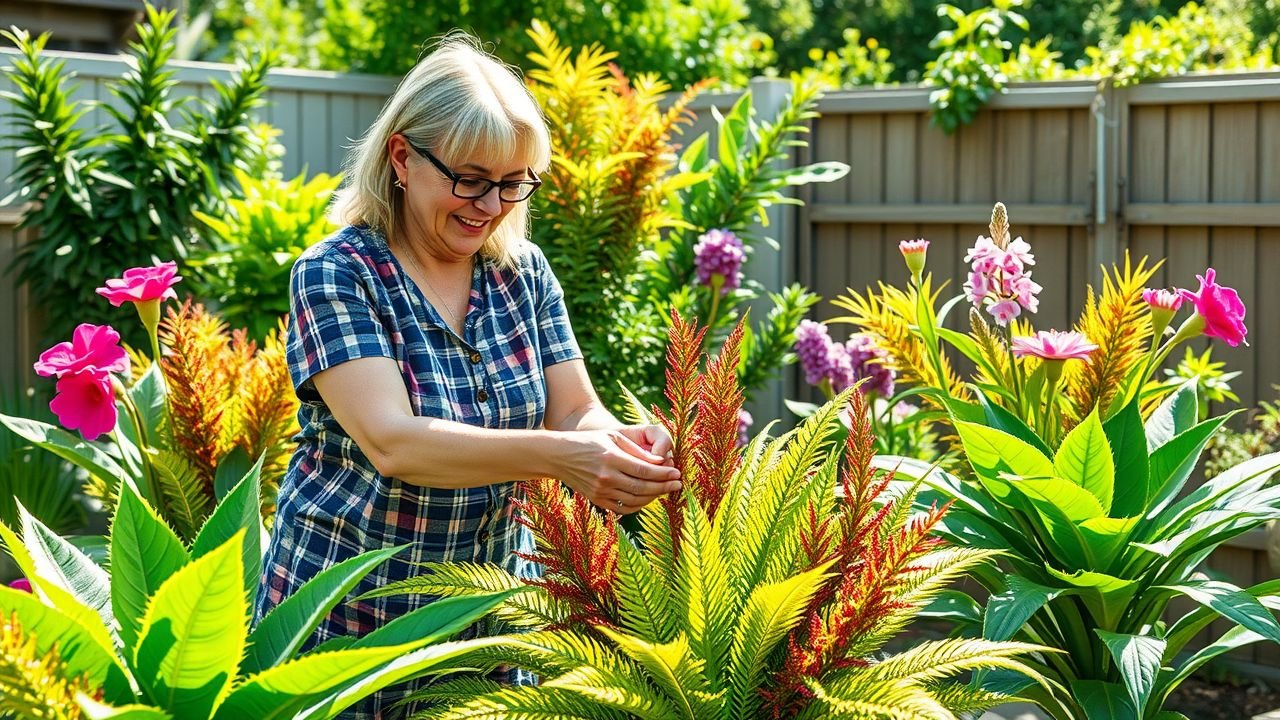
(352,299)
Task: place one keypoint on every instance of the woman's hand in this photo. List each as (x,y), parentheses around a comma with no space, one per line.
(614,471)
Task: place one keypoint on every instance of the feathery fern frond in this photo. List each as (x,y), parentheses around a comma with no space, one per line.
(185,502)
(531,609)
(644,602)
(707,607)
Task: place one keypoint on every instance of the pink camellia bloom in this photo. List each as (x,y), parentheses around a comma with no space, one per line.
(1221,308)
(22,584)
(84,402)
(141,284)
(92,348)
(1005,311)
(1053,345)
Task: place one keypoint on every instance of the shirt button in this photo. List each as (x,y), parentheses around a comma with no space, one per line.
(475,358)
(483,537)
(482,396)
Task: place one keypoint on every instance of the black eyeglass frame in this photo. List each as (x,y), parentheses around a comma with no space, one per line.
(533,184)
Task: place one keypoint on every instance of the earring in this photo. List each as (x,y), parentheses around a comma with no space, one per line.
(397,183)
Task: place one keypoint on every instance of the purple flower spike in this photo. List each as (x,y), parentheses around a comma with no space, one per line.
(719,253)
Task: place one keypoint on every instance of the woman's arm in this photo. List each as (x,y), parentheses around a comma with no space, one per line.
(572,404)
(368,398)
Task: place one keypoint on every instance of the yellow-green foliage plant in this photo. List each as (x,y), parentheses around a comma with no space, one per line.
(1077,467)
(621,213)
(766,588)
(165,633)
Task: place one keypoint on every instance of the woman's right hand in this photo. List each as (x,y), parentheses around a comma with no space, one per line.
(613,472)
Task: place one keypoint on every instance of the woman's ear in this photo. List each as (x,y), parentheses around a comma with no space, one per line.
(398,153)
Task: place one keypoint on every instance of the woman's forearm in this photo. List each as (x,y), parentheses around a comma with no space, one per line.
(432,452)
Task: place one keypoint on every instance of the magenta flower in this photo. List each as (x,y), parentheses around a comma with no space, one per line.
(719,253)
(1054,345)
(870,362)
(22,584)
(92,348)
(1221,308)
(141,284)
(744,427)
(84,402)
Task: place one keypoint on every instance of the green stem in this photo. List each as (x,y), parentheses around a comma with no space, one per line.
(148,470)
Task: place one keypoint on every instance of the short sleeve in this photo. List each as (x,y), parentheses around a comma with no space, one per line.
(333,316)
(555,334)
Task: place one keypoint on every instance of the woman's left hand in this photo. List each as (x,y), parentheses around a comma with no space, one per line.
(650,438)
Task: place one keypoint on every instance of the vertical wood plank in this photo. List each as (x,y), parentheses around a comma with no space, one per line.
(1234,168)
(342,125)
(976,170)
(1081,161)
(1051,157)
(1147,138)
(316,149)
(900,151)
(1079,272)
(10,361)
(1052,270)
(1264,331)
(1269,152)
(1014,158)
(831,248)
(866,176)
(368,107)
(1188,153)
(284,105)
(1148,241)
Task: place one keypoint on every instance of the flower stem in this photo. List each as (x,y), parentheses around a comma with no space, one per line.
(144,454)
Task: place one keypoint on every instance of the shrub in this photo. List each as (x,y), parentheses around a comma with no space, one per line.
(621,217)
(106,199)
(1076,475)
(765,589)
(244,272)
(39,481)
(967,71)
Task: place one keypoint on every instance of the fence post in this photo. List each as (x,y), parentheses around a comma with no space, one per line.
(772,269)
(1106,215)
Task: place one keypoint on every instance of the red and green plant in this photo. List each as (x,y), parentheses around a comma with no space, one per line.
(766,588)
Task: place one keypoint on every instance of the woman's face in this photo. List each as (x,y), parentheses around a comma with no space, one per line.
(452,228)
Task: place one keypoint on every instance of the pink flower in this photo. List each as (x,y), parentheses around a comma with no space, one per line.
(1221,308)
(1054,345)
(141,284)
(92,348)
(984,255)
(1019,253)
(1026,291)
(914,252)
(977,287)
(1005,311)
(84,402)
(22,584)
(1162,299)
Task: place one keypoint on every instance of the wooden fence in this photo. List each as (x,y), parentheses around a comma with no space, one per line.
(1187,170)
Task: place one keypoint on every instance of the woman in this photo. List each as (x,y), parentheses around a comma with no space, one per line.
(431,352)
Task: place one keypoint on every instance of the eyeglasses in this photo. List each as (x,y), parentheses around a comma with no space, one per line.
(473,187)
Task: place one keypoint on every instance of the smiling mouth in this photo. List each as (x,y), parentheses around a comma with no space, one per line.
(470,223)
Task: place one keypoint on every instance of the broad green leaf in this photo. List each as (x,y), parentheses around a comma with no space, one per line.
(94,710)
(1103,700)
(1084,458)
(239,511)
(194,632)
(1000,419)
(283,630)
(1107,538)
(1133,487)
(1067,498)
(1138,657)
(695,156)
(992,452)
(1175,415)
(1238,484)
(437,620)
(1105,596)
(148,395)
(1236,637)
(68,447)
(231,470)
(144,553)
(1007,612)
(954,607)
(280,692)
(78,649)
(1232,603)
(1173,462)
(60,562)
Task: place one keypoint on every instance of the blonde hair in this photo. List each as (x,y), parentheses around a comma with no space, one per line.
(461,102)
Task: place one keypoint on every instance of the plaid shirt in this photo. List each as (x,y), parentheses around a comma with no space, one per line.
(352,299)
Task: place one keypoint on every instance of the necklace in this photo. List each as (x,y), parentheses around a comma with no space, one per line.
(444,304)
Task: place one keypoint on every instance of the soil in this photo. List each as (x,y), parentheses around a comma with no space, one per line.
(1236,699)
